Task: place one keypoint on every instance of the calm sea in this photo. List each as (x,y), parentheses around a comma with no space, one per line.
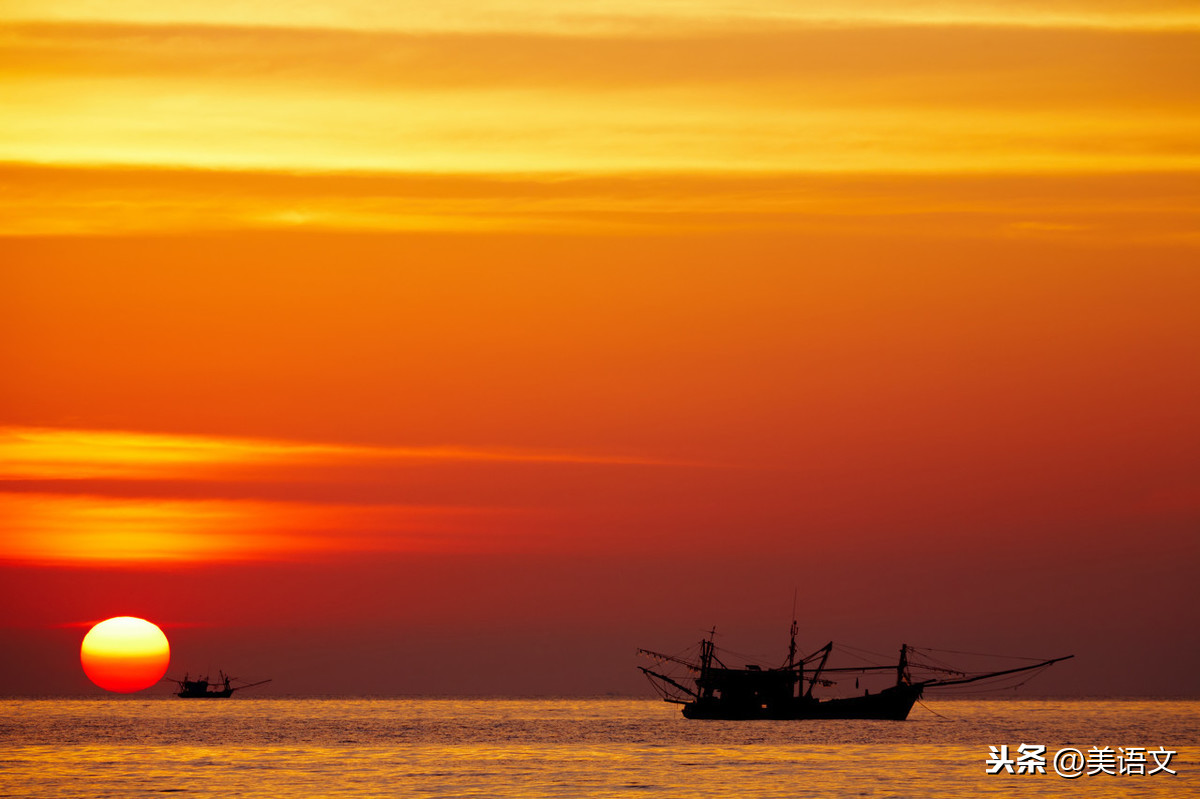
(278,748)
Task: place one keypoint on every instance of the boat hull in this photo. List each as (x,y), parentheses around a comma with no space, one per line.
(890,704)
(205,694)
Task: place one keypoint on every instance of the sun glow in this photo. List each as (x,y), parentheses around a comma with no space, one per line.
(125,654)
(96,530)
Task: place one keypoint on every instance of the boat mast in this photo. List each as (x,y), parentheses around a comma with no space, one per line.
(706,651)
(792,646)
(703,687)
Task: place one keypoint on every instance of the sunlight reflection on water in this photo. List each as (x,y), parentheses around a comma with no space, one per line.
(596,748)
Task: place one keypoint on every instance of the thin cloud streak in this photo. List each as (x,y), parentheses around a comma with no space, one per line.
(620,15)
(515,131)
(115,201)
(48,453)
(50,529)
(1045,66)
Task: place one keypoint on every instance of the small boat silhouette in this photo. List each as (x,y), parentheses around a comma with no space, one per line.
(201,688)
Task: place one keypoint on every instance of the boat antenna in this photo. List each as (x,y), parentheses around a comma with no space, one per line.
(792,644)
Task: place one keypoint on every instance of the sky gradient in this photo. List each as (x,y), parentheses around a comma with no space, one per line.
(353,345)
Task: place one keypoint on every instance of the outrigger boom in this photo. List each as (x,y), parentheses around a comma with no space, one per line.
(976,678)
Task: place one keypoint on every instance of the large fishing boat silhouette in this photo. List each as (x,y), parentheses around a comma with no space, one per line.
(787,692)
(201,688)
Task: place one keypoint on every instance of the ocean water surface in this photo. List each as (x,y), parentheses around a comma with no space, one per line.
(416,747)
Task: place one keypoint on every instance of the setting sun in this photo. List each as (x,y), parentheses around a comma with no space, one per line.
(125,654)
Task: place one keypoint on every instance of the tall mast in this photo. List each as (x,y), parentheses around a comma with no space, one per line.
(706,656)
(792,646)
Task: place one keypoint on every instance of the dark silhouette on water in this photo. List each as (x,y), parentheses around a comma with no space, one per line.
(201,688)
(787,692)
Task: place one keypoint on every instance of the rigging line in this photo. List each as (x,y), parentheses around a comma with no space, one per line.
(976,654)
(917,665)
(859,652)
(1004,683)
(873,660)
(934,712)
(924,655)
(758,659)
(690,649)
(869,665)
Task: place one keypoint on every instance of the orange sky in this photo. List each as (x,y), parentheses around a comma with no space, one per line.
(406,334)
